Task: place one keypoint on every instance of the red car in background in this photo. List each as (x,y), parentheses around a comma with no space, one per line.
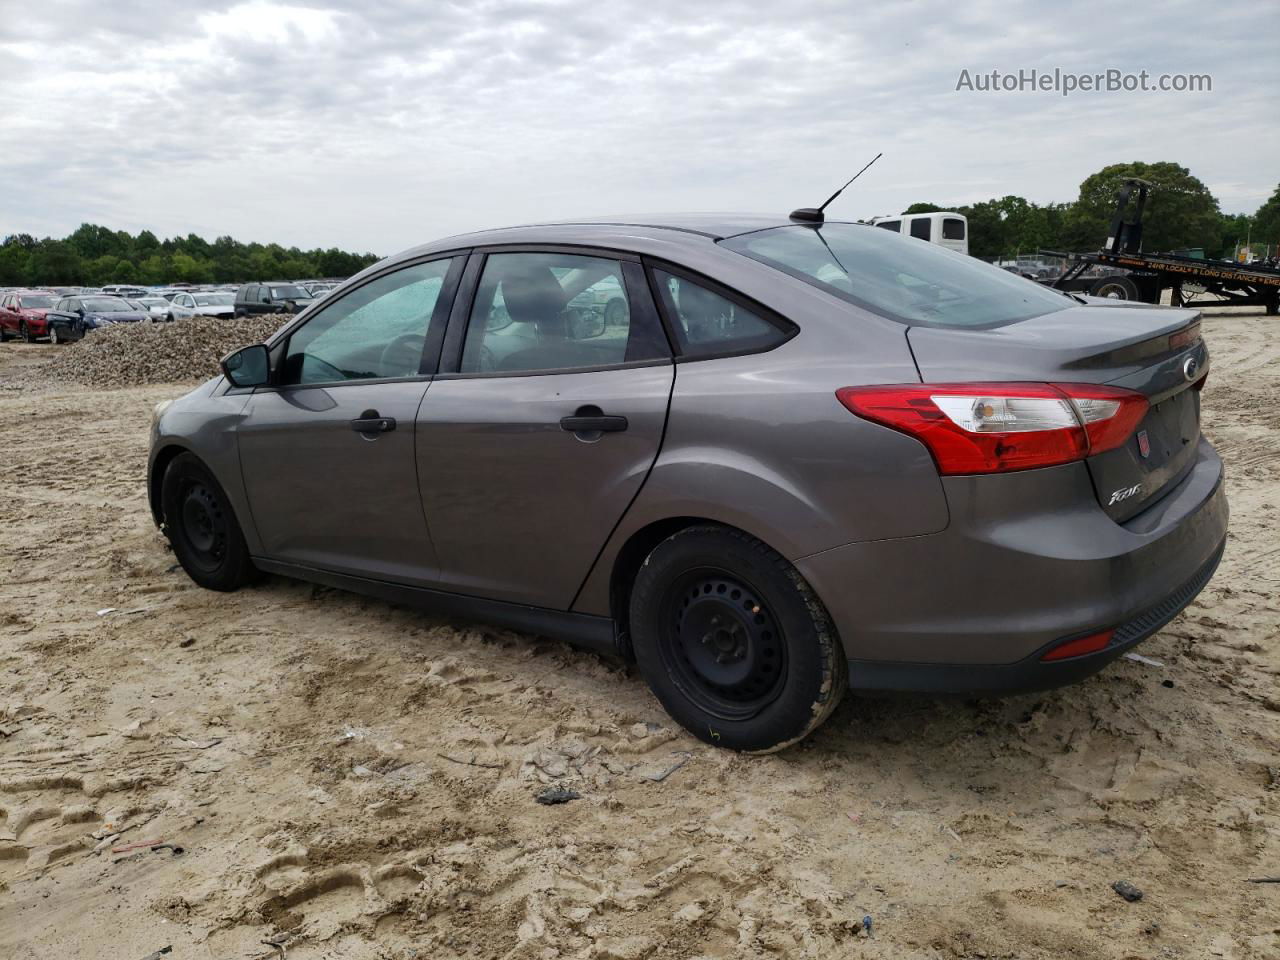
(22,314)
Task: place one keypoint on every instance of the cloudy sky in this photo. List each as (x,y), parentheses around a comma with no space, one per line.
(378,124)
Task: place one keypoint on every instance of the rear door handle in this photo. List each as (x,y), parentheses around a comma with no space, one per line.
(370,422)
(602,424)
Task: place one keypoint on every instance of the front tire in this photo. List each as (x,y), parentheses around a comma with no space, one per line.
(1115,288)
(733,641)
(53,335)
(202,527)
(25,331)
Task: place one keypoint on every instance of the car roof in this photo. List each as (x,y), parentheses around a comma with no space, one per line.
(638,233)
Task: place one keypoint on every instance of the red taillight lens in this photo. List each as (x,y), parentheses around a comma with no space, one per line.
(1080,646)
(998,427)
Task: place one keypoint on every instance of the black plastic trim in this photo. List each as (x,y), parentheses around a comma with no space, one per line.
(584,630)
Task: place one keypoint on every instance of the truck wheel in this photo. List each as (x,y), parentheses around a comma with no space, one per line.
(733,641)
(1115,288)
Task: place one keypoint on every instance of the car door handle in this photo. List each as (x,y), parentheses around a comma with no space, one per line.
(370,422)
(588,424)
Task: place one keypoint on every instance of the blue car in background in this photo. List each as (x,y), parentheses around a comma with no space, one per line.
(73,317)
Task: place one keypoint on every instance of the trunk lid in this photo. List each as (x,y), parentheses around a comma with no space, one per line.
(1156,351)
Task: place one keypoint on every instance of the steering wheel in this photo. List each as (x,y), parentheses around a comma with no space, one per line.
(398,350)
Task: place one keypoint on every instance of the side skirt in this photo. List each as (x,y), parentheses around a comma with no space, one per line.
(581,629)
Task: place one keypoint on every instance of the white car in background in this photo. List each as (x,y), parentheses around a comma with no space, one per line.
(184,305)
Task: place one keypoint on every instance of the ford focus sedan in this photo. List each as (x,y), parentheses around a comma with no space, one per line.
(764,459)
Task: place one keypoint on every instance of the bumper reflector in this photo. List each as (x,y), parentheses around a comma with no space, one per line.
(1079,646)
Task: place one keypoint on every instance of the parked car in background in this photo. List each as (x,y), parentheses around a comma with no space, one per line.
(72,318)
(123,290)
(809,454)
(276,297)
(317,288)
(22,314)
(213,304)
(157,307)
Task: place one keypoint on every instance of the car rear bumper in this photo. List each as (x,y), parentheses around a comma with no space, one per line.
(1028,559)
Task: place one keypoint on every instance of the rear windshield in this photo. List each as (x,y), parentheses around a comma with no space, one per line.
(899,277)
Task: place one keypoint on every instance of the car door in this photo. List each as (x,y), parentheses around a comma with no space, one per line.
(8,316)
(327,454)
(543,424)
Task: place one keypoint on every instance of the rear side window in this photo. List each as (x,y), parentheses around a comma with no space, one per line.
(707,323)
(894,225)
(922,228)
(952,229)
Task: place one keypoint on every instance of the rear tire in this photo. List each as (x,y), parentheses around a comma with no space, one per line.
(202,527)
(1115,288)
(733,641)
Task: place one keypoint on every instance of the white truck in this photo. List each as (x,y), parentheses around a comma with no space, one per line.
(945,228)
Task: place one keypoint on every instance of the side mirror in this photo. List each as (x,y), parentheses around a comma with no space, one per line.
(248,366)
(80,311)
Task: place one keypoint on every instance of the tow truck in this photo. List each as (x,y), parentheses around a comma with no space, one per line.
(1134,275)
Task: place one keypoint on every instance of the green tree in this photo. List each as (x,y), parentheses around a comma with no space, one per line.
(924,208)
(1180,211)
(1266,222)
(55,262)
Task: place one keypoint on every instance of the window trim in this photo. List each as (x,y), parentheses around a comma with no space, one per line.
(278,343)
(450,367)
(787,327)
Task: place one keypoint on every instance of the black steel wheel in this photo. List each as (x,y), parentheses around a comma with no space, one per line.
(733,641)
(723,644)
(202,527)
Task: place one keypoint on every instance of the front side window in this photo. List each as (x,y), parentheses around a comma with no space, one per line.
(554,311)
(375,331)
(894,225)
(707,323)
(914,283)
(922,228)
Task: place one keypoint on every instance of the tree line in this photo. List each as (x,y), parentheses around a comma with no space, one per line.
(1181,213)
(94,255)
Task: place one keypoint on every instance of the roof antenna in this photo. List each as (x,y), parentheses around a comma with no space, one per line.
(812,215)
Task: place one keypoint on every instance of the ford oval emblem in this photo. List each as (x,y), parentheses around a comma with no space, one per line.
(1189,368)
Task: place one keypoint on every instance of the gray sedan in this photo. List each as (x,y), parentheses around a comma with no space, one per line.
(796,457)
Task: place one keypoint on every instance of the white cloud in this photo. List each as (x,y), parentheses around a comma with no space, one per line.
(379,125)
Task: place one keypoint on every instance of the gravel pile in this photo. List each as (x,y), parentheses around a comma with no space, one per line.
(132,354)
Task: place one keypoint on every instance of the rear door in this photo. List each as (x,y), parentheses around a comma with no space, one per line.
(545,423)
(328,455)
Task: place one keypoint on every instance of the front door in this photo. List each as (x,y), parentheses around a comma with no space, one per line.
(532,449)
(328,454)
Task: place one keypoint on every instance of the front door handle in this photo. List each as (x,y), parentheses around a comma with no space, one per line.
(593,424)
(370,422)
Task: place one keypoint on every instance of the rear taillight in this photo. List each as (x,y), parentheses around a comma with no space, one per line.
(998,427)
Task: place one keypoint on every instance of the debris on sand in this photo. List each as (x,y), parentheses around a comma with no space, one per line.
(1127,890)
(554,795)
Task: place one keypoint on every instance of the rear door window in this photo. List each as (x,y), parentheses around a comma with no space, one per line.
(952,228)
(555,311)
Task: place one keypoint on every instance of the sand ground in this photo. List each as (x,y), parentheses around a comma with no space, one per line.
(349,779)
